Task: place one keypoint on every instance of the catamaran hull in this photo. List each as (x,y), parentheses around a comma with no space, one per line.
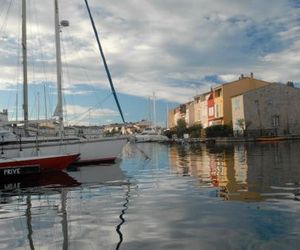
(91,151)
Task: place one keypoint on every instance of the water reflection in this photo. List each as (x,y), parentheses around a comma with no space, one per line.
(243,172)
(123,212)
(171,199)
(35,205)
(29,226)
(96,174)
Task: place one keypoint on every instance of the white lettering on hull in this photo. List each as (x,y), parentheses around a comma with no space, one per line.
(11,186)
(11,171)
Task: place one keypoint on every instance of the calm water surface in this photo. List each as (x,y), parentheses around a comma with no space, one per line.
(243,196)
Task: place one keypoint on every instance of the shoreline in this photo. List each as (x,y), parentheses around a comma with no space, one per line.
(262,139)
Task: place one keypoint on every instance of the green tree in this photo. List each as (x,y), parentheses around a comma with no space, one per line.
(195,131)
(181,128)
(218,131)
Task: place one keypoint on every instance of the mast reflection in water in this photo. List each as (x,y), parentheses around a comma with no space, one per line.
(242,196)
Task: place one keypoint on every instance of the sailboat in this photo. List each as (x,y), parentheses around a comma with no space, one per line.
(36,164)
(151,134)
(91,150)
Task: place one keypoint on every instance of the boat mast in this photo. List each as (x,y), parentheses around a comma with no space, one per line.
(59,107)
(167,115)
(154,111)
(17,104)
(45,98)
(25,81)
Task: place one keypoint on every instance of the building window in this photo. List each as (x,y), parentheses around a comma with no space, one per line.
(202,98)
(217,110)
(275,121)
(236,104)
(218,92)
(211,111)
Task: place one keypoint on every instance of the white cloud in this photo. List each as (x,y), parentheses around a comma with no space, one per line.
(157,46)
(81,115)
(228,77)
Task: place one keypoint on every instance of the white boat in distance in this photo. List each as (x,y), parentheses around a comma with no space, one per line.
(150,135)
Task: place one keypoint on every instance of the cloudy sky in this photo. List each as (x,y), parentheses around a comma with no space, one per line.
(176,49)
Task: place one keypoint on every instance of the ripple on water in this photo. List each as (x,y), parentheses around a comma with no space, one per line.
(200,197)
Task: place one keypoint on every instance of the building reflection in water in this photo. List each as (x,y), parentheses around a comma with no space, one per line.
(242,172)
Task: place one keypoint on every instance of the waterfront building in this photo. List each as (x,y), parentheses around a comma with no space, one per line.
(177,114)
(171,118)
(211,108)
(200,109)
(214,107)
(270,110)
(219,106)
(190,114)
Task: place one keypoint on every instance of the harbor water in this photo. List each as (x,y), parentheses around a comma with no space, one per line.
(231,196)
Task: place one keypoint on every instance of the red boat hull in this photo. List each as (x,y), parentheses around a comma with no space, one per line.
(36,164)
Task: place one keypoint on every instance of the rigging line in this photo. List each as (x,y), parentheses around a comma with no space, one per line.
(38,37)
(19,63)
(31,54)
(66,112)
(17,76)
(4,24)
(6,16)
(83,68)
(67,74)
(84,114)
(64,104)
(2,9)
(42,53)
(104,61)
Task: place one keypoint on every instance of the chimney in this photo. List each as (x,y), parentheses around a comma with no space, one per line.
(290,84)
(251,75)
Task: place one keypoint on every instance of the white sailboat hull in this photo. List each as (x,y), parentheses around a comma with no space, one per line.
(94,150)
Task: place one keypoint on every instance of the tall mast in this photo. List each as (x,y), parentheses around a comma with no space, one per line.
(25,81)
(59,108)
(154,111)
(17,104)
(167,115)
(45,97)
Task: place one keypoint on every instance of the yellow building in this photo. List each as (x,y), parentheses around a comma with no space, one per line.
(224,93)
